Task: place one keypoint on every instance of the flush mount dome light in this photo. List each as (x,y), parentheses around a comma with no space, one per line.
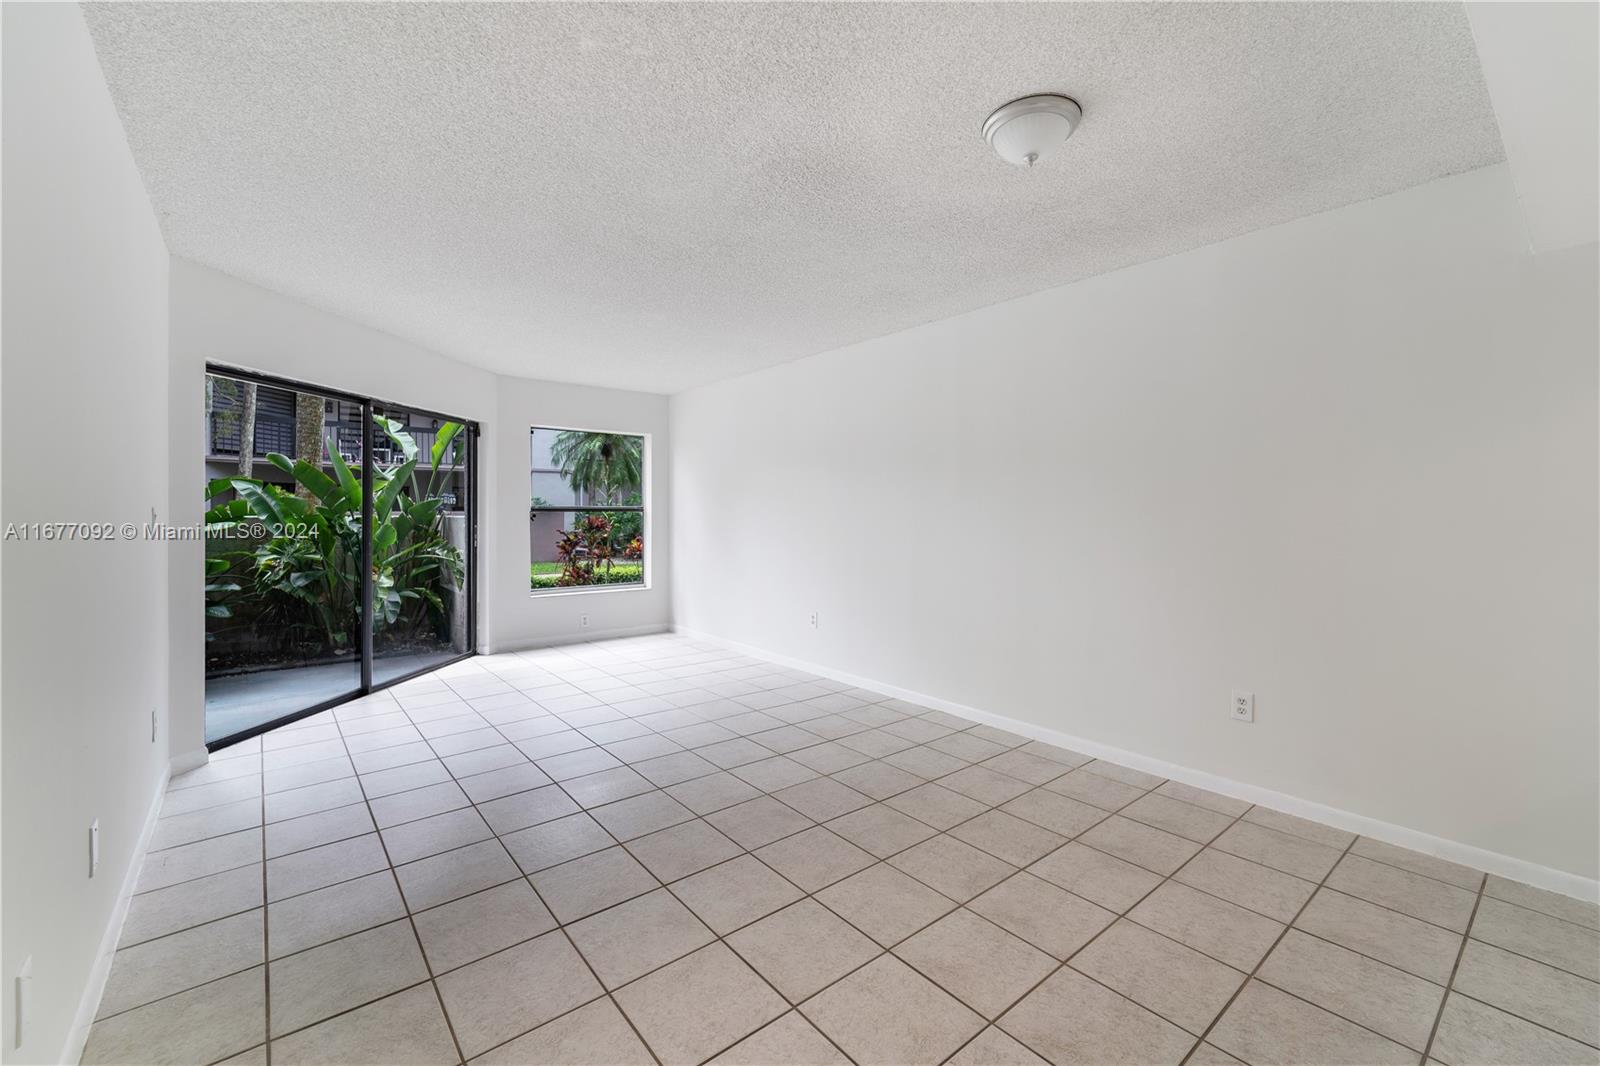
(1026,130)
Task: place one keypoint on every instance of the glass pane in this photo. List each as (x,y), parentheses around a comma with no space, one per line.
(420,542)
(586,522)
(283,552)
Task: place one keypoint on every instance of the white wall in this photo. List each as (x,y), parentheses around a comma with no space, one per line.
(1348,463)
(1539,64)
(222,319)
(84,439)
(521,618)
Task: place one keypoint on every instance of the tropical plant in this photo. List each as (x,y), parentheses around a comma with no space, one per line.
(219,589)
(626,530)
(599,464)
(627,525)
(585,552)
(306,574)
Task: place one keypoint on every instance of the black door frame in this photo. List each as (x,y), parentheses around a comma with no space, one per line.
(368,403)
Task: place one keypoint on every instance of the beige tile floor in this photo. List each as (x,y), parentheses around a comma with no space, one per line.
(654,851)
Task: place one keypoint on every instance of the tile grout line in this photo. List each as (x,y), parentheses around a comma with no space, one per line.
(768,1025)
(410,919)
(266,934)
(717,937)
(343,1012)
(886,860)
(692,818)
(612,906)
(666,886)
(881,952)
(1086,767)
(528,880)
(1539,1025)
(606,992)
(937,780)
(1119,916)
(1461,951)
(470,805)
(173,995)
(1126,915)
(660,885)
(1251,976)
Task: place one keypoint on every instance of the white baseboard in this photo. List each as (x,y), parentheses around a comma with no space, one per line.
(89,1004)
(1568,884)
(582,636)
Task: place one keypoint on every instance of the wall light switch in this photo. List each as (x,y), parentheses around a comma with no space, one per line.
(94,846)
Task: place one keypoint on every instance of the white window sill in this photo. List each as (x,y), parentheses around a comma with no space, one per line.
(586,590)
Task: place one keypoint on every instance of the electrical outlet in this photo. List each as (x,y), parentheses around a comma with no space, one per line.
(94,846)
(583,621)
(813,619)
(1244,706)
(24,1000)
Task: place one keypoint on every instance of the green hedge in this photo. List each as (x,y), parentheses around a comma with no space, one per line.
(545,575)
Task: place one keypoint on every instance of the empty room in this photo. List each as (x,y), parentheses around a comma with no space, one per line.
(788,533)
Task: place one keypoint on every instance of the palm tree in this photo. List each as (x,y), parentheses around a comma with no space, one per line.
(603,464)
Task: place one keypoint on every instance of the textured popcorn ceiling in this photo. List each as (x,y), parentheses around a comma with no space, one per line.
(657,196)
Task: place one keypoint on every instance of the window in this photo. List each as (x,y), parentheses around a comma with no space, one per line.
(586,516)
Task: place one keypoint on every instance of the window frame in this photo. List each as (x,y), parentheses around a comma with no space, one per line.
(643,509)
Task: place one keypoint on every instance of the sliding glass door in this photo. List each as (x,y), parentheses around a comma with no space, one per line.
(421,543)
(339,548)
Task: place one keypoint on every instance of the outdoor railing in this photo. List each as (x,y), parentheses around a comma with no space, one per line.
(277,434)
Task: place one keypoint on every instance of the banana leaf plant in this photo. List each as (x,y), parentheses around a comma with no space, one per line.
(306,574)
(219,587)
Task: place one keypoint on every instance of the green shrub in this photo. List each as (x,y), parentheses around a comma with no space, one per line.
(548,575)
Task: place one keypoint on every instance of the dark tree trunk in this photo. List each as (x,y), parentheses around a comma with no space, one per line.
(307,435)
(247,427)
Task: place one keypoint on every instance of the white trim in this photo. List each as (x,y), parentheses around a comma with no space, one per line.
(89,1004)
(189,760)
(1567,884)
(580,637)
(588,590)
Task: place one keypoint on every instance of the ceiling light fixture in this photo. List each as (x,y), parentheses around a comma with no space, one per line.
(1026,130)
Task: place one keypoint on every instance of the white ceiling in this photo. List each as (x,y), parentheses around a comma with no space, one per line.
(657,196)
